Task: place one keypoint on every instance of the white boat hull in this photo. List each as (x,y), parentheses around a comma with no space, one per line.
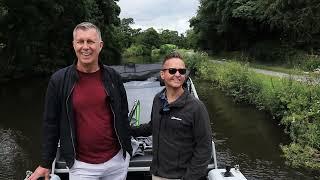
(219,174)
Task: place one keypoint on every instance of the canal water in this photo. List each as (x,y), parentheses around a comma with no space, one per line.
(246,137)
(243,135)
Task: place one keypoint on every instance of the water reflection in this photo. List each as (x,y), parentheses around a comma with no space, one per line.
(13,158)
(246,136)
(20,111)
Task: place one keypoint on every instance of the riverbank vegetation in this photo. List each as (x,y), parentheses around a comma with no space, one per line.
(295,105)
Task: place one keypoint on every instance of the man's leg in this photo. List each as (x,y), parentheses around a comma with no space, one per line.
(84,171)
(114,169)
(117,167)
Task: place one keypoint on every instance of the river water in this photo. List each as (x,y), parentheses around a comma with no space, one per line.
(243,135)
(247,137)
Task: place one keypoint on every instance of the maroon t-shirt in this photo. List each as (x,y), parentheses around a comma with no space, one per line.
(96,138)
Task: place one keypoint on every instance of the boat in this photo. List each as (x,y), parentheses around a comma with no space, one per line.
(142,82)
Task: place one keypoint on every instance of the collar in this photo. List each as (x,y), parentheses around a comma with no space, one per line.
(75,73)
(180,102)
(164,101)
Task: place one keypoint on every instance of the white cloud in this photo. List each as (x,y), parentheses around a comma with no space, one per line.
(159,14)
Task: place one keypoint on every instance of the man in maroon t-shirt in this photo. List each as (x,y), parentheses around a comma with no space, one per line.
(95,108)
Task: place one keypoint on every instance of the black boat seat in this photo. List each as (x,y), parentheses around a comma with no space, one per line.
(142,161)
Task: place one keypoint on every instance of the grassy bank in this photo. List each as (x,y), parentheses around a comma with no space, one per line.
(296,105)
(297,63)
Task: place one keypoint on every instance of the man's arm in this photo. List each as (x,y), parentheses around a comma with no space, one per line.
(50,133)
(203,145)
(50,125)
(142,130)
(124,111)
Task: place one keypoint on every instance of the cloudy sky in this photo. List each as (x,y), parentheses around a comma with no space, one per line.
(159,14)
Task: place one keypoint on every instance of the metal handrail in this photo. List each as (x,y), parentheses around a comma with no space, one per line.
(214,155)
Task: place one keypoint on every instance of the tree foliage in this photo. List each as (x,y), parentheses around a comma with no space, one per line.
(172,37)
(134,39)
(125,34)
(240,24)
(149,38)
(36,36)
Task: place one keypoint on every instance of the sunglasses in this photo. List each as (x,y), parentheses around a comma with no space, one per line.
(174,70)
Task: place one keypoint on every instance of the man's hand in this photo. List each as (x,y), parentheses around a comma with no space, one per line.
(40,172)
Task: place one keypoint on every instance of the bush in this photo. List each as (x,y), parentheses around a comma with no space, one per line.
(193,59)
(156,56)
(134,50)
(298,156)
(311,63)
(167,48)
(155,52)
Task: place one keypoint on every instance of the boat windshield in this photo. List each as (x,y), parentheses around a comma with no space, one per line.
(143,91)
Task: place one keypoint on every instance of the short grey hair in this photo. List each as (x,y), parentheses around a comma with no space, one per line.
(86,26)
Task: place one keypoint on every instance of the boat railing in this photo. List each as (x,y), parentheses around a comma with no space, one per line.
(214,156)
(192,88)
(129,65)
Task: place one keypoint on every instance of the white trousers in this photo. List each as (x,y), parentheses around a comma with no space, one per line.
(114,169)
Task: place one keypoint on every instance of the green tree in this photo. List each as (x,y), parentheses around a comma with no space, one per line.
(36,36)
(191,40)
(173,37)
(108,21)
(169,37)
(149,39)
(240,24)
(125,34)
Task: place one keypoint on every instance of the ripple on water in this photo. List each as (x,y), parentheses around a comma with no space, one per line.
(12,157)
(257,169)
